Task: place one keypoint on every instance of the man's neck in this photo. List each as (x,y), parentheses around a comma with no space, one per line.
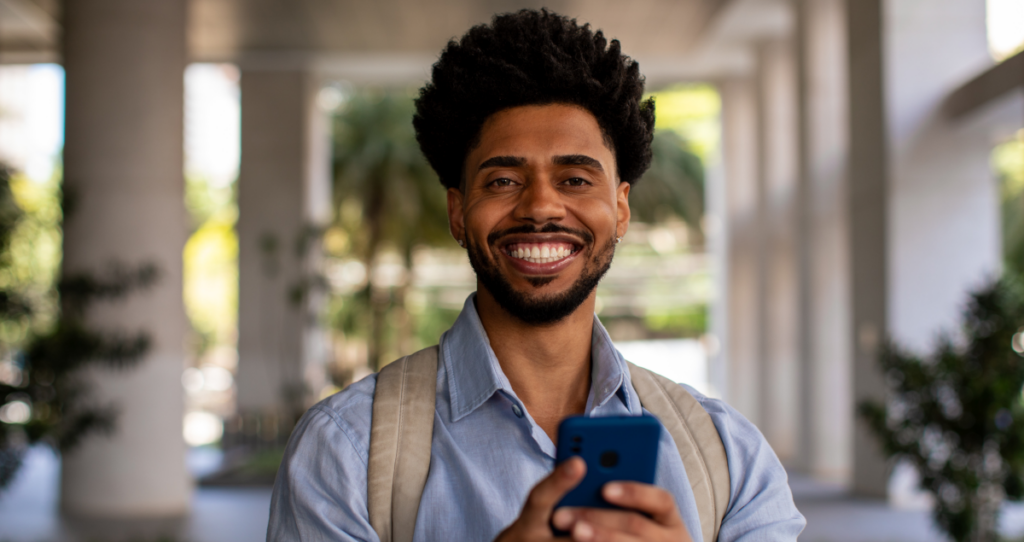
(549,365)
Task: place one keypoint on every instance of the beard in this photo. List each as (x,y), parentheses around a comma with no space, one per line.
(540,310)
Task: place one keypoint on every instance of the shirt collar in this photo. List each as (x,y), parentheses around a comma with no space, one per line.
(474,374)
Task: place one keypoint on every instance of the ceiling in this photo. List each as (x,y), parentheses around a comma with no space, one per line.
(396,40)
(221,29)
(29,30)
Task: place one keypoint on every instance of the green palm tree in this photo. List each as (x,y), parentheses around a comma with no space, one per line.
(378,163)
(672,187)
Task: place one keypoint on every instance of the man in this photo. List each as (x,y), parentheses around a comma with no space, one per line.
(538,130)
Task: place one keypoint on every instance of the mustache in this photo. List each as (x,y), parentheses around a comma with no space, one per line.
(550,227)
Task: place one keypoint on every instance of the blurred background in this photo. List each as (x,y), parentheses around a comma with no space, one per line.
(214,213)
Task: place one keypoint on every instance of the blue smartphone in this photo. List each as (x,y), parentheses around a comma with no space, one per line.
(615,448)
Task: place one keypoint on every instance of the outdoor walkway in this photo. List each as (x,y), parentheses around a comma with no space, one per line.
(28,514)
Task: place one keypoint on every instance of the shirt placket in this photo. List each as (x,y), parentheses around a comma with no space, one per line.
(536,432)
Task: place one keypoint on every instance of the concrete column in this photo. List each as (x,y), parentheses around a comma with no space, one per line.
(282,193)
(943,204)
(743,340)
(923,207)
(780,247)
(826,402)
(867,193)
(125,65)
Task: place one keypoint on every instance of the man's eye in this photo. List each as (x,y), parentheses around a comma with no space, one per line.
(502,182)
(576,181)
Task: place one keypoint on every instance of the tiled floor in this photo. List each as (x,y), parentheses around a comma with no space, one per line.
(834,516)
(28,514)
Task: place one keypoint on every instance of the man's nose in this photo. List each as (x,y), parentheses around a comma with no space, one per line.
(540,202)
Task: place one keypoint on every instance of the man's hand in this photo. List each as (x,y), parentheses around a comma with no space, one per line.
(596,524)
(533,523)
(605,525)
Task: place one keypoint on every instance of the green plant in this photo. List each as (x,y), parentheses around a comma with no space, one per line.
(43,391)
(387,198)
(957,414)
(1008,163)
(672,187)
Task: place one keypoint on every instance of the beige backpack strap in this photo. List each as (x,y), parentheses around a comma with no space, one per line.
(401,434)
(699,443)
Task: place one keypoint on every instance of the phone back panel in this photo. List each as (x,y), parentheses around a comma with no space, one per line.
(615,448)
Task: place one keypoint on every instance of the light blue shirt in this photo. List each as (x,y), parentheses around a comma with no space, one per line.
(488,452)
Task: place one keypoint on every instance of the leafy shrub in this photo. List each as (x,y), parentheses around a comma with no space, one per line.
(957,413)
(44,364)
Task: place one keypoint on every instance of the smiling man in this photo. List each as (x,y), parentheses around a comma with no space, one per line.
(538,130)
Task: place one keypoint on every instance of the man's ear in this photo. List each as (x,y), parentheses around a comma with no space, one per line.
(622,208)
(455,220)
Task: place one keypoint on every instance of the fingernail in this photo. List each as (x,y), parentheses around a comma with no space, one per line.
(612,491)
(582,531)
(562,518)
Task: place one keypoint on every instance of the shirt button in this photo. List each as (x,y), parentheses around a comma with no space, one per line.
(517,411)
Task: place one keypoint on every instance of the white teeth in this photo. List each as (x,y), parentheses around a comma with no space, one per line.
(541,254)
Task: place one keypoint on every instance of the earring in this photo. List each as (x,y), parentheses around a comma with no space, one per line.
(618,240)
(462,243)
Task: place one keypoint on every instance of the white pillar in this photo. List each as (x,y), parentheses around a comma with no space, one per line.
(125,63)
(742,344)
(923,206)
(282,193)
(826,392)
(944,235)
(780,246)
(901,208)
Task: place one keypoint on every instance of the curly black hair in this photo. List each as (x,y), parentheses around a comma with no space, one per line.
(532,58)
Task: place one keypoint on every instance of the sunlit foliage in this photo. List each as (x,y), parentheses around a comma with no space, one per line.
(686,138)
(210,262)
(692,111)
(1008,163)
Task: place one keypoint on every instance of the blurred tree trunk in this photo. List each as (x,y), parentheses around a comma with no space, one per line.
(404,321)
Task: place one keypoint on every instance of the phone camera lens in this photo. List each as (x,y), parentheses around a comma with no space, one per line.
(577,439)
(609,459)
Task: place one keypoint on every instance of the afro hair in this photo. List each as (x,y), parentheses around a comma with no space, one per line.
(532,58)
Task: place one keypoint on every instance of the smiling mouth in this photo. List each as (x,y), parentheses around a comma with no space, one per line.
(540,253)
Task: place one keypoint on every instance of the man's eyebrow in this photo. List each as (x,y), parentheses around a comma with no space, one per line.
(577,160)
(502,161)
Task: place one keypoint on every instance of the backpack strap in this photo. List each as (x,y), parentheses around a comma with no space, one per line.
(401,434)
(696,437)
(402,430)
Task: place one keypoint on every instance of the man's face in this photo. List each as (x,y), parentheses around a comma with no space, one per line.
(540,210)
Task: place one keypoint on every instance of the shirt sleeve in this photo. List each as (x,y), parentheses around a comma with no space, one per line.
(761,504)
(320,490)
